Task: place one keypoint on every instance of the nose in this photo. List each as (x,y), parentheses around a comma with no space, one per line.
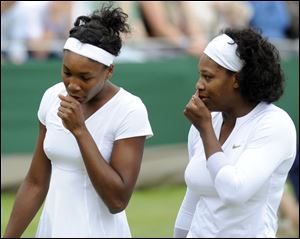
(200,85)
(73,85)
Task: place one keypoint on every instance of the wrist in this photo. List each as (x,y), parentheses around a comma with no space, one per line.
(206,132)
(79,132)
(205,128)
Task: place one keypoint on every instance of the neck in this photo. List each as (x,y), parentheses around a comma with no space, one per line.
(107,92)
(238,111)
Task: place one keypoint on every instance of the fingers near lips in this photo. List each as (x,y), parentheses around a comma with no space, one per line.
(197,100)
(66,106)
(67,98)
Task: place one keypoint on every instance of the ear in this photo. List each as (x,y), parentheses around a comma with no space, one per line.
(110,71)
(236,81)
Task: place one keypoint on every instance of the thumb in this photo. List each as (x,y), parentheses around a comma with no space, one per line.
(62,97)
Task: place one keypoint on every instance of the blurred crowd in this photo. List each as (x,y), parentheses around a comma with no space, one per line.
(38,29)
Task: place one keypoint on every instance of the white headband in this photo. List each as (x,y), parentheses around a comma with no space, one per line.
(222,50)
(90,51)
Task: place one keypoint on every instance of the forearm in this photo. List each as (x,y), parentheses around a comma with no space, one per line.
(107,182)
(199,115)
(180,233)
(210,141)
(6,5)
(27,203)
(159,23)
(185,214)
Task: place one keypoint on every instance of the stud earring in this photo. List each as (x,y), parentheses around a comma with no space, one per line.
(236,85)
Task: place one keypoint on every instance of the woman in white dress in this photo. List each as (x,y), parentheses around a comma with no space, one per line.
(241,146)
(90,143)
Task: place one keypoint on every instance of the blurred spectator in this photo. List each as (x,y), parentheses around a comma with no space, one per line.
(57,23)
(293,29)
(289,212)
(31,29)
(22,27)
(271,17)
(213,16)
(233,14)
(173,21)
(289,206)
(80,8)
(5,5)
(138,30)
(294,175)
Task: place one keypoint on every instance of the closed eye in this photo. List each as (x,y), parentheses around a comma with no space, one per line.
(67,73)
(85,78)
(207,78)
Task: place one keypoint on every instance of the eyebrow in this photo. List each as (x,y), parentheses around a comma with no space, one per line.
(80,73)
(204,71)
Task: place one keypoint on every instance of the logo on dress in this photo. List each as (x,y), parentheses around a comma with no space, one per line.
(236,146)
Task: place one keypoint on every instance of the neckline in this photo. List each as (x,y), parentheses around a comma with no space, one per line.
(244,118)
(103,107)
(239,121)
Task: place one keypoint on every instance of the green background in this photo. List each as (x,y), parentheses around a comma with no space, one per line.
(151,213)
(165,86)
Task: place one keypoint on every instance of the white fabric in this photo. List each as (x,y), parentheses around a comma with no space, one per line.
(179,233)
(222,50)
(90,51)
(72,207)
(187,210)
(240,189)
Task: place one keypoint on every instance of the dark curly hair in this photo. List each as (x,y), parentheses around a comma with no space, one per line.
(102,28)
(261,78)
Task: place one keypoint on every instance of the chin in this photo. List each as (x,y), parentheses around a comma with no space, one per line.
(208,106)
(212,109)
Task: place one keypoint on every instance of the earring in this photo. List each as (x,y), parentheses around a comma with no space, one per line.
(236,85)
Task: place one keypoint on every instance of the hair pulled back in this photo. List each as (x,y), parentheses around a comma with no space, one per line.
(102,28)
(261,78)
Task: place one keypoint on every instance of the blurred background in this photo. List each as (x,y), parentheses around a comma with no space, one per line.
(158,62)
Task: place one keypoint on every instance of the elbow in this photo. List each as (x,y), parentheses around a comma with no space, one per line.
(232,191)
(231,197)
(231,194)
(115,201)
(116,209)
(117,206)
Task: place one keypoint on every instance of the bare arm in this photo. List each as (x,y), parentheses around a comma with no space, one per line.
(114,182)
(155,15)
(6,5)
(191,39)
(32,191)
(290,209)
(193,29)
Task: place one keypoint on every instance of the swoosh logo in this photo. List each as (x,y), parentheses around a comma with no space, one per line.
(235,146)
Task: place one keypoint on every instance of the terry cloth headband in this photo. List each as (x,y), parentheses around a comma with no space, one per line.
(222,49)
(90,51)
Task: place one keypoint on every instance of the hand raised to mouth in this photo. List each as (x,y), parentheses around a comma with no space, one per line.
(70,111)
